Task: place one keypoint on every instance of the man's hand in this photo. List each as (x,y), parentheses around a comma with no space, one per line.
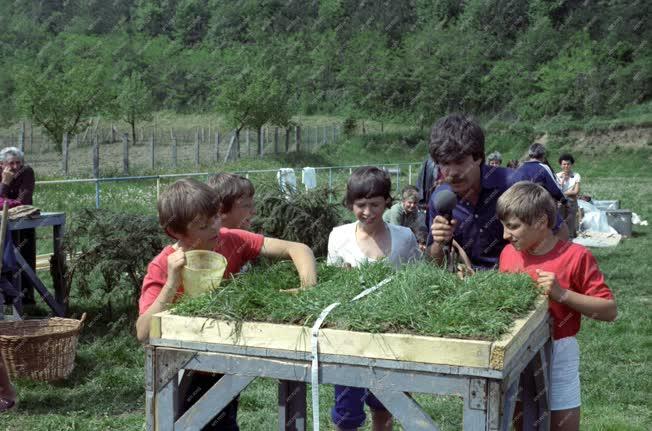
(547,282)
(442,229)
(7,176)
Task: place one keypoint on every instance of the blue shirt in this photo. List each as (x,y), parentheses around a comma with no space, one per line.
(479,231)
(541,174)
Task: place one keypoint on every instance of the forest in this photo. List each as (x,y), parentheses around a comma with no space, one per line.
(263,61)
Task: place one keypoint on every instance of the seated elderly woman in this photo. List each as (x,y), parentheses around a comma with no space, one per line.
(17,187)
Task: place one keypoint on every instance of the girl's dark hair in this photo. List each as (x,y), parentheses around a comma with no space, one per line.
(367,182)
(567,157)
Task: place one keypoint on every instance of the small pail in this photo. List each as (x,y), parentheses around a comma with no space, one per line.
(203,271)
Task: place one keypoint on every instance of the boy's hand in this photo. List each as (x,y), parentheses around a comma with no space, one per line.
(547,282)
(176,262)
(442,229)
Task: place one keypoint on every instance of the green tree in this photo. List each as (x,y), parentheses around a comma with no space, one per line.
(134,102)
(251,94)
(61,100)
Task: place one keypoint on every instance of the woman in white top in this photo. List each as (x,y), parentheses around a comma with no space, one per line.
(369,239)
(570,186)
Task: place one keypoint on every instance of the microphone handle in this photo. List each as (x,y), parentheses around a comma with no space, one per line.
(447,248)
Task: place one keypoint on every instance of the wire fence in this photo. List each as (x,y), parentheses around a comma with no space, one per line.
(141,192)
(108,151)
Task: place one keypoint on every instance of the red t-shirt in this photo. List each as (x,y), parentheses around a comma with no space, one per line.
(237,246)
(575,268)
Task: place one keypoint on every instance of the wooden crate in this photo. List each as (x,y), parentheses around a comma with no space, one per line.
(398,347)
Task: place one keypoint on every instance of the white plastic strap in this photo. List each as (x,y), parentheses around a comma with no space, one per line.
(372,289)
(314,341)
(314,372)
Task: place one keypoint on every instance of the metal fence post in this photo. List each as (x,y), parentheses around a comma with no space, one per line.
(398,178)
(197,147)
(65,154)
(330,185)
(151,151)
(97,193)
(158,187)
(125,154)
(410,173)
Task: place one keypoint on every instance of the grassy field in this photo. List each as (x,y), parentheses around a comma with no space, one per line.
(106,390)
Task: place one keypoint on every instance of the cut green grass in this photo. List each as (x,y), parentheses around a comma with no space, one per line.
(420,299)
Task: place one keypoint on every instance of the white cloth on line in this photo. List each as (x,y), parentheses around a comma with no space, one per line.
(309,178)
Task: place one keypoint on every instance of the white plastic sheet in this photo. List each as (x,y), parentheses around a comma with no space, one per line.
(309,178)
(594,220)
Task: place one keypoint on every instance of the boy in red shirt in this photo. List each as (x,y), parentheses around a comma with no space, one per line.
(568,274)
(188,212)
(236,194)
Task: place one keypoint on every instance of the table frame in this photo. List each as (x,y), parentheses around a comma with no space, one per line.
(489,395)
(58,303)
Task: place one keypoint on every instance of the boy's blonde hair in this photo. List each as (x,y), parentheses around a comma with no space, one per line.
(230,188)
(183,202)
(527,201)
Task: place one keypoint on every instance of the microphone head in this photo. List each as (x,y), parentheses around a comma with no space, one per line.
(445,202)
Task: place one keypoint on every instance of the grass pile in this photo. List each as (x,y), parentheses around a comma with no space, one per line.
(421,299)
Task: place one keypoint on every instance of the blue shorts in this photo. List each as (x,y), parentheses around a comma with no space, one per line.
(348,411)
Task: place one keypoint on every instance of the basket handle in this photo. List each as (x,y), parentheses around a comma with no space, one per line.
(82,320)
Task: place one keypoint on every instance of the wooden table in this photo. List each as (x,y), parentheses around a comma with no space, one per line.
(58,303)
(485,374)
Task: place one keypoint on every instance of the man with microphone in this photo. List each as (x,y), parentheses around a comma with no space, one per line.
(468,222)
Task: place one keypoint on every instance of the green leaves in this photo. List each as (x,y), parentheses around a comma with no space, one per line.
(60,97)
(301,216)
(114,246)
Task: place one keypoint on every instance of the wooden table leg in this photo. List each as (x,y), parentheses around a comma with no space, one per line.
(291,406)
(58,269)
(150,410)
(534,395)
(474,414)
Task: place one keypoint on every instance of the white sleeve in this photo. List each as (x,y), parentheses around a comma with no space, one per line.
(333,258)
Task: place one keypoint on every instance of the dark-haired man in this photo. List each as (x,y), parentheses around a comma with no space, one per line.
(457,146)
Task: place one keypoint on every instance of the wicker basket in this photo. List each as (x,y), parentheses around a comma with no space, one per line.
(40,349)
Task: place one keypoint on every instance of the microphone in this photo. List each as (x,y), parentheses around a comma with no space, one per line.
(445,201)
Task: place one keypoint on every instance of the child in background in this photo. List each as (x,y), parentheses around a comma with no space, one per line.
(569,276)
(236,195)
(188,212)
(369,239)
(406,212)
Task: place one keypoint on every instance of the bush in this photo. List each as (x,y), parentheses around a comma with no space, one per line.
(111,250)
(350,126)
(301,216)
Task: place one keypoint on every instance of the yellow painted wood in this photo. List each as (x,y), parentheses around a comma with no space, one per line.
(155,326)
(430,350)
(504,349)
